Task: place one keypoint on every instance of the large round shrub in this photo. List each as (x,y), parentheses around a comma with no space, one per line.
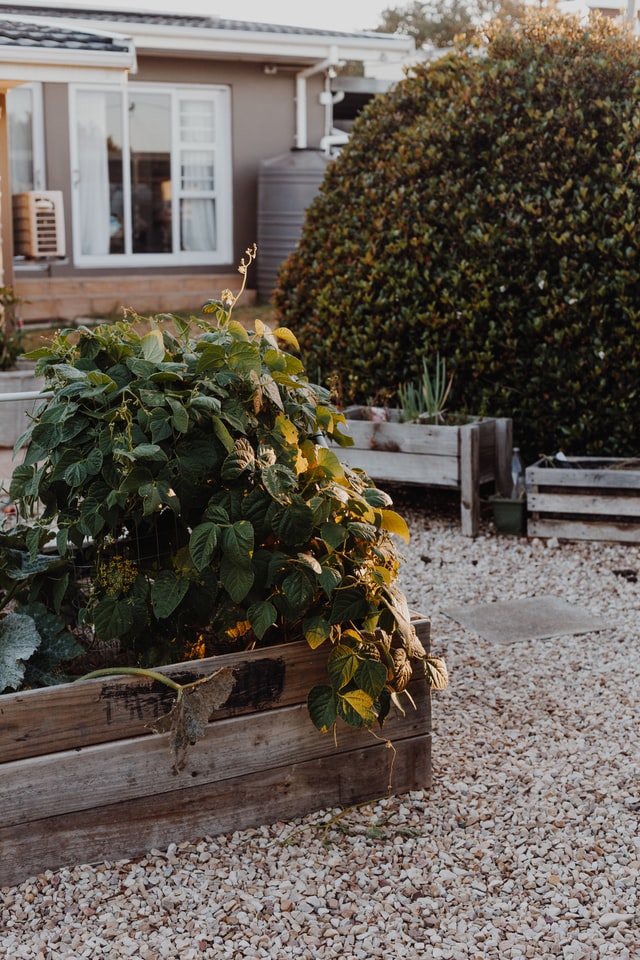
(487,208)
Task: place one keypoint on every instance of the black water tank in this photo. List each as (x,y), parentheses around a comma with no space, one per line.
(286,186)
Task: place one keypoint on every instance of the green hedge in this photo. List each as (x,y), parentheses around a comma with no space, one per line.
(486,208)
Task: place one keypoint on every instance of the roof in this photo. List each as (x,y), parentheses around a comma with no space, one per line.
(32,51)
(218,36)
(141,17)
(18,33)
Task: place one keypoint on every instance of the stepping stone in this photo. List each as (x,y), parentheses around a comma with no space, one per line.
(534,618)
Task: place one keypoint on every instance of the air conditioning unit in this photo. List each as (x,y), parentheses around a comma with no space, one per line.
(38,224)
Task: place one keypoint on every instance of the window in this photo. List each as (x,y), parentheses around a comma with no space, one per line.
(151,175)
(26,140)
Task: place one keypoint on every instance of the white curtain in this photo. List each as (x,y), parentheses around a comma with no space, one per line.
(198,224)
(197,213)
(93,187)
(20,115)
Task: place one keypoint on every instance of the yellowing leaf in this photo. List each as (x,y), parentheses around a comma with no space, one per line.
(286,428)
(359,701)
(394,523)
(302,464)
(153,346)
(260,327)
(283,333)
(330,463)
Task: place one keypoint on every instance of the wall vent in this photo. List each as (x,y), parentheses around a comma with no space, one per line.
(38,224)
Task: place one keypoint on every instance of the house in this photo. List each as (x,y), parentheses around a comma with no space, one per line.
(150,167)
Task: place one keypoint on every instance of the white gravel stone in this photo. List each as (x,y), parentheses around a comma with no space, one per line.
(527,846)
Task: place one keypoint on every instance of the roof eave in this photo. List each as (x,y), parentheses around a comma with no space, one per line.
(46,57)
(14,74)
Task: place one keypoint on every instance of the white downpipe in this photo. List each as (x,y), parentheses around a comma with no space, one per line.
(301,94)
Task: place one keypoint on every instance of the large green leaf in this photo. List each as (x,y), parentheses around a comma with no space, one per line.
(58,645)
(342,665)
(167,593)
(112,618)
(149,451)
(333,534)
(245,357)
(322,706)
(180,417)
(293,524)
(202,543)
(236,579)
(279,480)
(19,639)
(371,676)
(237,543)
(330,578)
(298,590)
(76,474)
(349,603)
(261,616)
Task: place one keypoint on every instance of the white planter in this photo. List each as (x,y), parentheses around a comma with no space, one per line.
(14,418)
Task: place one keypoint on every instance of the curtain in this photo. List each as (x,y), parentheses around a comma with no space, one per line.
(197,214)
(93,186)
(20,115)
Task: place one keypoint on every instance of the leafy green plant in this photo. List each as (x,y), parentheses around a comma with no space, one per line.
(426,400)
(486,208)
(182,477)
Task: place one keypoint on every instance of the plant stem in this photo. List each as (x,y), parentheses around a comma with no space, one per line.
(132,671)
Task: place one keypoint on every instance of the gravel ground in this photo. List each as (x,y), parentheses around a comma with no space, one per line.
(527,846)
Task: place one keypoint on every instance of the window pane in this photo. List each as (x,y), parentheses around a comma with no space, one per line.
(20,111)
(197,121)
(150,135)
(100,171)
(197,225)
(197,170)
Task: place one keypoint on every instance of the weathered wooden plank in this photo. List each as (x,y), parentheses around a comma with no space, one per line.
(130,829)
(469,480)
(115,708)
(425,439)
(602,490)
(404,467)
(109,772)
(503,455)
(576,530)
(68,716)
(610,505)
(599,478)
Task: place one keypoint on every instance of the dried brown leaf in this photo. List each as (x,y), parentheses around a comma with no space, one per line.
(187,720)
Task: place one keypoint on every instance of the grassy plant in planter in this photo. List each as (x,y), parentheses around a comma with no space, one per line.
(195,509)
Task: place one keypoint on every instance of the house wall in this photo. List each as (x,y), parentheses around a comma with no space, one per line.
(263,115)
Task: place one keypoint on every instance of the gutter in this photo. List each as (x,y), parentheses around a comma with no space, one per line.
(330,63)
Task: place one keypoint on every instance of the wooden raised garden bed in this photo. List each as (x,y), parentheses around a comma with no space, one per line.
(83,780)
(589,499)
(456,456)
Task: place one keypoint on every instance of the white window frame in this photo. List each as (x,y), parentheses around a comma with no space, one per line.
(37,136)
(223,178)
